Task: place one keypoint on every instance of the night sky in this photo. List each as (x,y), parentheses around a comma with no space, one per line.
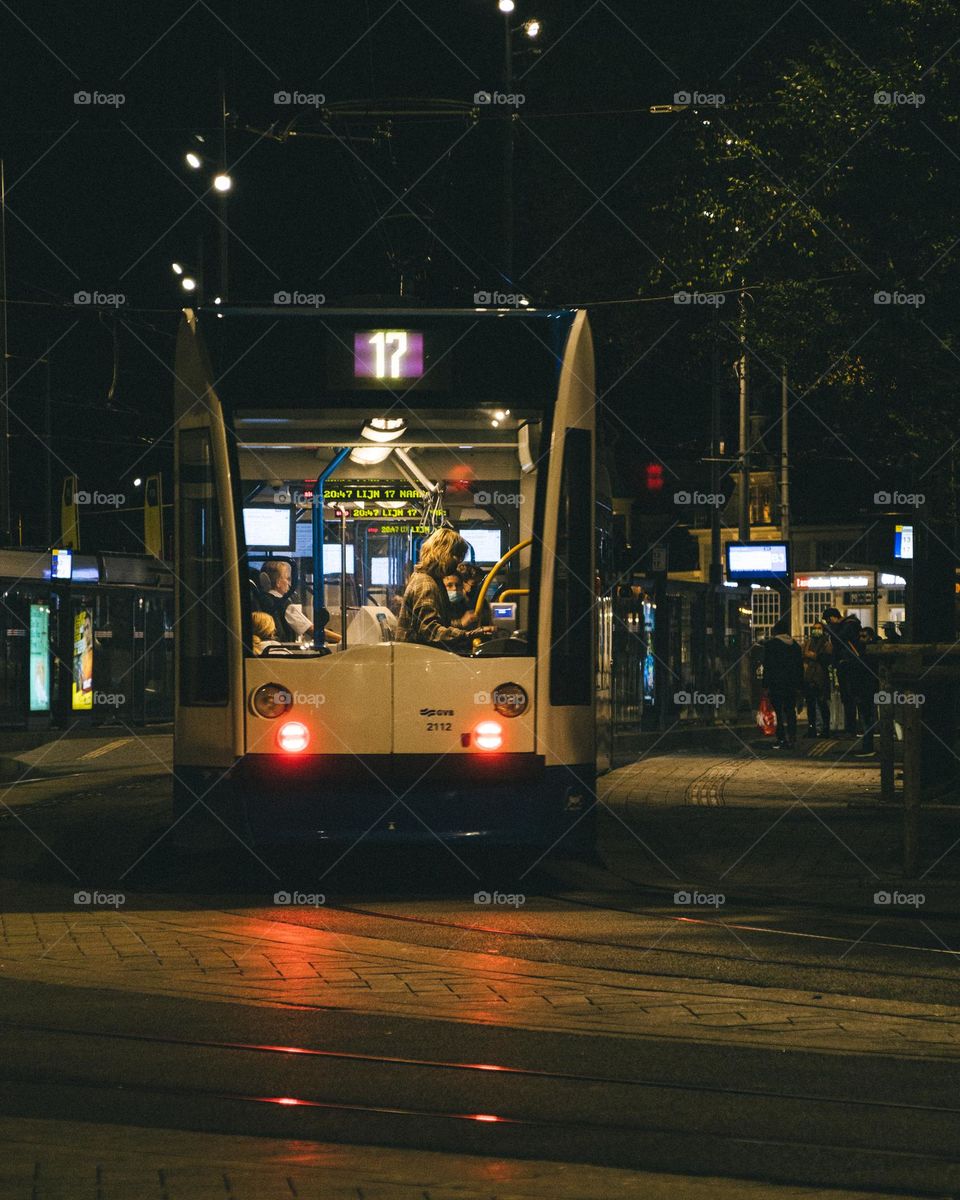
(100,201)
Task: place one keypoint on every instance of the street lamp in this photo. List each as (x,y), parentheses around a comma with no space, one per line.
(532,28)
(222,181)
(506,6)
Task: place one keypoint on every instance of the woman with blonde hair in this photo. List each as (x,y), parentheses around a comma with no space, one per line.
(425,614)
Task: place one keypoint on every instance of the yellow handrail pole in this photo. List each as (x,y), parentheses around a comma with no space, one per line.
(482,594)
(501,599)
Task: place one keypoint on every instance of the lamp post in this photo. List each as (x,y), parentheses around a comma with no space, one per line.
(532,30)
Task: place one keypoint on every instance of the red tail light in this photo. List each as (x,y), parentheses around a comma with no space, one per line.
(293,736)
(489,735)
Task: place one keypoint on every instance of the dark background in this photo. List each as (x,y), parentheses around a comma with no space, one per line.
(818,198)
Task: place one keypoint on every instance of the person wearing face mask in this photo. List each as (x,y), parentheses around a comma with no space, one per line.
(426,614)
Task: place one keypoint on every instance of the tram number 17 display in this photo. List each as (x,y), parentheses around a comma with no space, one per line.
(387,354)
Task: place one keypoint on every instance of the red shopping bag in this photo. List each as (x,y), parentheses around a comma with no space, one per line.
(766,717)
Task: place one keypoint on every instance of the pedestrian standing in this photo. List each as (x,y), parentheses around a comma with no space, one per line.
(844,642)
(783,679)
(816,681)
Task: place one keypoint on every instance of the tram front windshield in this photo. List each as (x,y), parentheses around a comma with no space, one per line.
(384,478)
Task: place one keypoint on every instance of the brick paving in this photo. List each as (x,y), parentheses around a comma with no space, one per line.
(65,1160)
(250,960)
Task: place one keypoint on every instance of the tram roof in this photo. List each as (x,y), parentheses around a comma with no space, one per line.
(325,312)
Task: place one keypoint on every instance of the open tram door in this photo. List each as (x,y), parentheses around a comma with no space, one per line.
(208,725)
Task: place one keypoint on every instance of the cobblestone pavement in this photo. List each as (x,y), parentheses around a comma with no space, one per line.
(250,960)
(65,1160)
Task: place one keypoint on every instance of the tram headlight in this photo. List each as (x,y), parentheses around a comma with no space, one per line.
(293,736)
(510,700)
(271,700)
(488,735)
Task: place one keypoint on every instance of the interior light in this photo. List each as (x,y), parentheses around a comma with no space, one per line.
(489,735)
(369,456)
(293,737)
(391,504)
(383,429)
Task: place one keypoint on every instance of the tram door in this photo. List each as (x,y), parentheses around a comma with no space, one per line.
(208,724)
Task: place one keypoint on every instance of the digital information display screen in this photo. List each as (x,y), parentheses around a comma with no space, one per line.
(903,541)
(331,560)
(486,544)
(268,527)
(387,354)
(758,560)
(62,564)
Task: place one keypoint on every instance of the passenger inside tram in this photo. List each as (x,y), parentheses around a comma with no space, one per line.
(344,509)
(426,615)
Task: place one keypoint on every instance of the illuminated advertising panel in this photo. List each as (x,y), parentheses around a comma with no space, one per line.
(82,685)
(39,658)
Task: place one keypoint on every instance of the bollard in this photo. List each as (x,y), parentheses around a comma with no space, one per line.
(911,789)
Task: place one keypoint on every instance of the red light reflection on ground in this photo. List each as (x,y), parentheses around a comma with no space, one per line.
(483,1117)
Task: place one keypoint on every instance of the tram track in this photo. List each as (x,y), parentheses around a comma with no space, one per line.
(686,954)
(815,1136)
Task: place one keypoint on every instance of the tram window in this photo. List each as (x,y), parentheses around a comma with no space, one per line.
(202,641)
(570,665)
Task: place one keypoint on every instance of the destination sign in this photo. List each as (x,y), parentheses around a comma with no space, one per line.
(398,514)
(399,527)
(352,490)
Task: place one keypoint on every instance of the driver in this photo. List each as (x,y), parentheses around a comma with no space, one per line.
(425,614)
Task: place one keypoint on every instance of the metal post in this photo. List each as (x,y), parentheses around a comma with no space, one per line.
(317,530)
(48,461)
(911,788)
(5,421)
(222,196)
(887,739)
(343,579)
(784,458)
(507,151)
(744,448)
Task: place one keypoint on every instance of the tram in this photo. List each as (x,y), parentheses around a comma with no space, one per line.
(319,448)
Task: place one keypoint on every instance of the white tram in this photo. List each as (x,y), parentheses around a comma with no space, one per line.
(320,448)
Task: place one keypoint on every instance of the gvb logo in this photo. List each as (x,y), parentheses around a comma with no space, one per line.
(699,899)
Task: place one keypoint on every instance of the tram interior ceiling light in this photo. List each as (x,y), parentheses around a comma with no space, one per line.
(369,456)
(384,429)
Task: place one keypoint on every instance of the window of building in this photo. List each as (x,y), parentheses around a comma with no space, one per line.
(813,605)
(766,613)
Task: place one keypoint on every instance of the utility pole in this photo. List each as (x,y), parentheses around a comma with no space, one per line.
(744,454)
(784,458)
(222,196)
(5,374)
(507,150)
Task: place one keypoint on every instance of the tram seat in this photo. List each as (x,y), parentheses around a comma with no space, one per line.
(367,625)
